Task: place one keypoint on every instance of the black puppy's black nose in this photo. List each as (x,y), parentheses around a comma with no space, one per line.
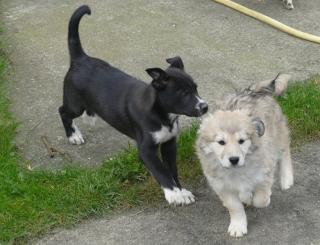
(203,107)
(234,160)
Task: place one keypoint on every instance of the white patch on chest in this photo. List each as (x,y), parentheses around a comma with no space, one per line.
(165,134)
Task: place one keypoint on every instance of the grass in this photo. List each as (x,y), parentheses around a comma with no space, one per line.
(301,105)
(34,202)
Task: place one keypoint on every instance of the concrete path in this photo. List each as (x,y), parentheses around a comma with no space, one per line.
(221,48)
(292,218)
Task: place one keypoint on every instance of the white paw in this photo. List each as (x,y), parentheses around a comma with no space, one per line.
(237,228)
(178,197)
(76,137)
(286,182)
(89,120)
(288,4)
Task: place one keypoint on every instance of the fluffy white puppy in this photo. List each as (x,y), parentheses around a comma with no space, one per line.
(239,147)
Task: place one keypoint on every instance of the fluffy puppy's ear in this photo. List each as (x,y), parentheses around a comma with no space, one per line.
(159,76)
(176,62)
(259,126)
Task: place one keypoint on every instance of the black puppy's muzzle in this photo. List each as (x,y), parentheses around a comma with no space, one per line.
(203,108)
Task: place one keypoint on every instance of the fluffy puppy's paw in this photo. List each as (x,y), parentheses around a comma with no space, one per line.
(261,199)
(178,197)
(237,228)
(76,137)
(286,182)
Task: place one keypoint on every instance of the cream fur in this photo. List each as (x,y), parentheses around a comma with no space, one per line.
(250,181)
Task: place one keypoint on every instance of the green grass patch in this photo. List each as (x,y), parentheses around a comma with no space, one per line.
(33,202)
(301,105)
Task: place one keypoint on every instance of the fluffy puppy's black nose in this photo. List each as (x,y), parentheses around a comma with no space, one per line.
(234,160)
(203,107)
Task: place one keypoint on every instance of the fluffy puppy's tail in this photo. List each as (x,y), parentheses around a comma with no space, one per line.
(276,86)
(75,48)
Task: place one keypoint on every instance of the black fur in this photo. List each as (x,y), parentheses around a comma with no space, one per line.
(131,106)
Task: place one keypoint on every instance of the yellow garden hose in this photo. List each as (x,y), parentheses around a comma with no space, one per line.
(270,21)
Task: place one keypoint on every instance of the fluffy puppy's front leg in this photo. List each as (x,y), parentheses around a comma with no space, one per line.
(262,192)
(261,197)
(238,218)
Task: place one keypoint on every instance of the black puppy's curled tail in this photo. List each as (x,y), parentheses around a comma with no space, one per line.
(75,48)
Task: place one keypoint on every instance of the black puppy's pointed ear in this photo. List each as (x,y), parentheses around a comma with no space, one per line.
(176,62)
(159,76)
(259,125)
(157,73)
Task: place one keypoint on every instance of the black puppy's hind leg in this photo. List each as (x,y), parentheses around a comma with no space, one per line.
(72,132)
(173,194)
(89,118)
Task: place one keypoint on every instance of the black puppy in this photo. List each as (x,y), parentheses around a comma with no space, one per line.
(146,113)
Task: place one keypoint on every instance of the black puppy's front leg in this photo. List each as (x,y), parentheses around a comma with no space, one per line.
(148,154)
(169,156)
(173,194)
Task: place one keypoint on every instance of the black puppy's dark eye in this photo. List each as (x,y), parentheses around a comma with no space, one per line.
(221,142)
(241,141)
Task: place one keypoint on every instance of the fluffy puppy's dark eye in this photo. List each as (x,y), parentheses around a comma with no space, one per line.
(241,141)
(221,142)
